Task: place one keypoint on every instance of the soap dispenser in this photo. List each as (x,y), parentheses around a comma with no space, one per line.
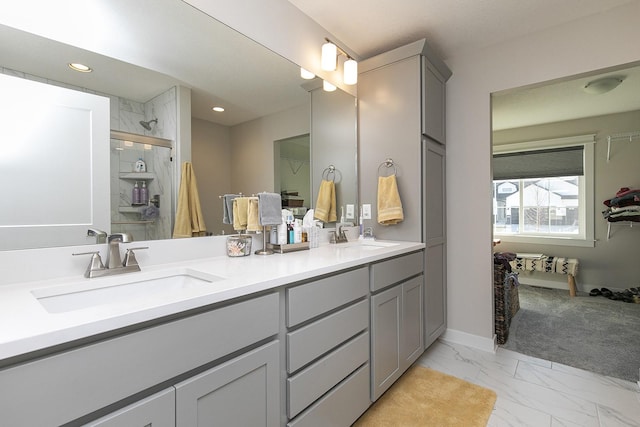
(144,194)
(135,194)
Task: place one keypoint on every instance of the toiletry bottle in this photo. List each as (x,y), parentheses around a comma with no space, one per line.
(361,222)
(297,231)
(144,194)
(140,166)
(135,195)
(290,233)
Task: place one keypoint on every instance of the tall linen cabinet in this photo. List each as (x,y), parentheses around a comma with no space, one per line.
(401,117)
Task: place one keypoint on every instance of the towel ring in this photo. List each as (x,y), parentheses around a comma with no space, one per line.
(388,164)
(329,172)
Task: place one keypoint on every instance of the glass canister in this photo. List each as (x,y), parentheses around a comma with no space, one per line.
(239,245)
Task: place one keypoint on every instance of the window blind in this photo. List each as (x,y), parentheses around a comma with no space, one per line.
(550,162)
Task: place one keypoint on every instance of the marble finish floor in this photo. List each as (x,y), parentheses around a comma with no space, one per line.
(535,392)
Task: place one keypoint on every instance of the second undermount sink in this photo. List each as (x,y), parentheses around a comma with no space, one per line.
(370,245)
(119,290)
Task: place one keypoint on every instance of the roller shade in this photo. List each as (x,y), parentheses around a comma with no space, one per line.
(565,161)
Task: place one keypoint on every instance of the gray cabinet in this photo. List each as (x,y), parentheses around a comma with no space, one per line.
(242,392)
(158,410)
(435,285)
(396,320)
(401,99)
(72,384)
(328,350)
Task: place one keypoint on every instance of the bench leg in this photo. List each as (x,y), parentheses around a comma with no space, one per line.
(572,285)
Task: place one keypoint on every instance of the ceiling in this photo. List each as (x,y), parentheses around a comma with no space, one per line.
(454,27)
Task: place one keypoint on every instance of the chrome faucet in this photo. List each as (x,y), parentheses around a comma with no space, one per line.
(339,236)
(101,236)
(115,265)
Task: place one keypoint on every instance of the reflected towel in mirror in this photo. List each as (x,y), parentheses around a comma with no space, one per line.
(189,219)
(389,204)
(325,209)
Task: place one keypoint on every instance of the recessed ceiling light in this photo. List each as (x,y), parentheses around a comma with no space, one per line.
(218,109)
(76,66)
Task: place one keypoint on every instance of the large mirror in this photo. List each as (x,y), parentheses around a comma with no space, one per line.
(165,60)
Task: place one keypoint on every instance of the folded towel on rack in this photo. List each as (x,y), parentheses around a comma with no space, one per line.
(325,209)
(389,203)
(240,210)
(227,208)
(189,218)
(269,208)
(253,216)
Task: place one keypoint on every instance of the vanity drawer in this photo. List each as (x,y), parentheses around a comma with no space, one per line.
(307,301)
(395,270)
(71,384)
(342,406)
(315,380)
(313,340)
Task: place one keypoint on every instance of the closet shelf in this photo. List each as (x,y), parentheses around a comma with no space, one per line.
(629,223)
(619,137)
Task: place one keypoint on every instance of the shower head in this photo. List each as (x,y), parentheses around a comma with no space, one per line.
(147,125)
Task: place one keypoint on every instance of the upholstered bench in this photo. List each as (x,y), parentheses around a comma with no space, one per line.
(548,264)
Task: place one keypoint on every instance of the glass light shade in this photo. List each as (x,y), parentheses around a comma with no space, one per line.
(329,57)
(306,74)
(350,72)
(328,87)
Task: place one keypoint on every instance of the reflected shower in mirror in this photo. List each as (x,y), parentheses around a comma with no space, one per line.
(176,84)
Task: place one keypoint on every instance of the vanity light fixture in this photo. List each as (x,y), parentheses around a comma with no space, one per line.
(218,109)
(329,62)
(602,85)
(328,87)
(329,59)
(306,74)
(76,66)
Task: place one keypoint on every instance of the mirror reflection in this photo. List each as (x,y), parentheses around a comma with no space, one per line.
(150,73)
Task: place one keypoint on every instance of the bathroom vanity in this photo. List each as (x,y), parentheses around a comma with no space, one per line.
(299,339)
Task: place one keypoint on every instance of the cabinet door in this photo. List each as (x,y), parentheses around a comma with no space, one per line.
(386,322)
(242,392)
(158,410)
(435,292)
(412,331)
(433,103)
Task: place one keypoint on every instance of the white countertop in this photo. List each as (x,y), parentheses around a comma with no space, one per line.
(28,326)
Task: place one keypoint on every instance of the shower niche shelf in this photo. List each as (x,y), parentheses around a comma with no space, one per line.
(137,176)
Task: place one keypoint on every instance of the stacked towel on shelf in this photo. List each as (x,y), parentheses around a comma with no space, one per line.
(189,218)
(389,204)
(325,209)
(269,208)
(625,206)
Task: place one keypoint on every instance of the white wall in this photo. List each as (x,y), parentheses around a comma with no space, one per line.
(596,42)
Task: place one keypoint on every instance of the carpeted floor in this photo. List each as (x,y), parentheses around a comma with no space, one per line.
(591,333)
(423,397)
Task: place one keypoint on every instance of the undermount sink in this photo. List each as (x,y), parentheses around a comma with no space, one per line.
(121,289)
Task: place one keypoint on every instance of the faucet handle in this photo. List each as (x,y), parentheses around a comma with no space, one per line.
(130,256)
(94,265)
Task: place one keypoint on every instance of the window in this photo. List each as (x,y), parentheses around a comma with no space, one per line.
(543,191)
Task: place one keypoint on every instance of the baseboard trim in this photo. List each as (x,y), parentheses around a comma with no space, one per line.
(470,340)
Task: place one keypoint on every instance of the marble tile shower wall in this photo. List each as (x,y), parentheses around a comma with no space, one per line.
(125,115)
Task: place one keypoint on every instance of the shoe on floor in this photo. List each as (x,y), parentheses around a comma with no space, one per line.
(595,292)
(606,292)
